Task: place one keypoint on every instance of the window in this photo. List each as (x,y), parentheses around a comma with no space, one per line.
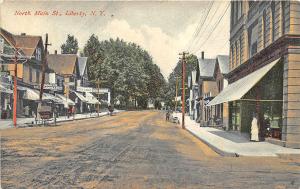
(38,54)
(264,32)
(283,12)
(239,9)
(253,35)
(1,45)
(30,74)
(273,19)
(37,75)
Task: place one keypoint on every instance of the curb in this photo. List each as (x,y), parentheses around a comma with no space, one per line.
(217,150)
(25,125)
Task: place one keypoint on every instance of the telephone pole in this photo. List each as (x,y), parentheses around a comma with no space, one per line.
(183,87)
(44,68)
(15,89)
(176,90)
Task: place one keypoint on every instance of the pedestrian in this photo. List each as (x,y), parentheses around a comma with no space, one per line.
(69,111)
(8,109)
(73,112)
(254,129)
(168,116)
(26,111)
(89,110)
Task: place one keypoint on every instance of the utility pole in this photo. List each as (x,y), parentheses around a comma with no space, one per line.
(15,89)
(183,87)
(176,90)
(15,58)
(44,63)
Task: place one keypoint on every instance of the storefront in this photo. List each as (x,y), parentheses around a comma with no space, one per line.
(5,102)
(257,94)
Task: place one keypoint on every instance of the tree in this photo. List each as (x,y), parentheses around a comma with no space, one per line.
(70,46)
(94,53)
(128,69)
(191,64)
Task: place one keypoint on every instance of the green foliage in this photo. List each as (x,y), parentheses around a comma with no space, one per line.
(70,46)
(191,64)
(128,69)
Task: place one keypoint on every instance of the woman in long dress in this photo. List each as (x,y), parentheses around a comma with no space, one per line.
(254,130)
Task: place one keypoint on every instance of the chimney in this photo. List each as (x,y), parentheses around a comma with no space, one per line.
(23,34)
(55,52)
(202,55)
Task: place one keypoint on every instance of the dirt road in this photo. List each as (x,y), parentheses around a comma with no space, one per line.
(130,150)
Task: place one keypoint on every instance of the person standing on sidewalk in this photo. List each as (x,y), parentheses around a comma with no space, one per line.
(73,112)
(254,129)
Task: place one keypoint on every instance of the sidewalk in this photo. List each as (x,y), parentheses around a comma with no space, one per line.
(231,144)
(23,122)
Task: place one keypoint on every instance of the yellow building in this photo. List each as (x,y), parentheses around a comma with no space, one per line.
(265,70)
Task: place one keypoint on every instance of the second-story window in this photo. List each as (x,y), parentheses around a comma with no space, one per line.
(239,11)
(283,12)
(253,33)
(38,54)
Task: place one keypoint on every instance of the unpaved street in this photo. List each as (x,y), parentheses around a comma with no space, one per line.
(130,150)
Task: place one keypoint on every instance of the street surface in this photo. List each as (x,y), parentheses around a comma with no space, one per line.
(130,150)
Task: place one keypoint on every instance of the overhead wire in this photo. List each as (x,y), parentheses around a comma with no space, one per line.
(215,26)
(200,26)
(202,34)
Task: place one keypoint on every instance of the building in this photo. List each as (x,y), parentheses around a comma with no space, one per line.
(220,74)
(264,70)
(29,50)
(194,100)
(207,89)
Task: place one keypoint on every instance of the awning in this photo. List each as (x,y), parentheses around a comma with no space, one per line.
(239,88)
(80,96)
(65,101)
(31,94)
(91,98)
(4,89)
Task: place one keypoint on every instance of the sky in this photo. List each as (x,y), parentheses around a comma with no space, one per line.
(163,28)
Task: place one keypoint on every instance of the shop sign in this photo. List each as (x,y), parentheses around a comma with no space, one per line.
(92,90)
(52,87)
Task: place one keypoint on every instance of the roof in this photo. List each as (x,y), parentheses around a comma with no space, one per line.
(63,64)
(237,89)
(223,61)
(27,43)
(82,65)
(207,67)
(8,36)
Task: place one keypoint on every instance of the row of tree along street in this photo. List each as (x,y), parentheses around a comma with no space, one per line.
(108,72)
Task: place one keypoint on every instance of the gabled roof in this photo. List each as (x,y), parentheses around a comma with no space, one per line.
(223,61)
(206,67)
(82,65)
(27,43)
(8,36)
(63,64)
